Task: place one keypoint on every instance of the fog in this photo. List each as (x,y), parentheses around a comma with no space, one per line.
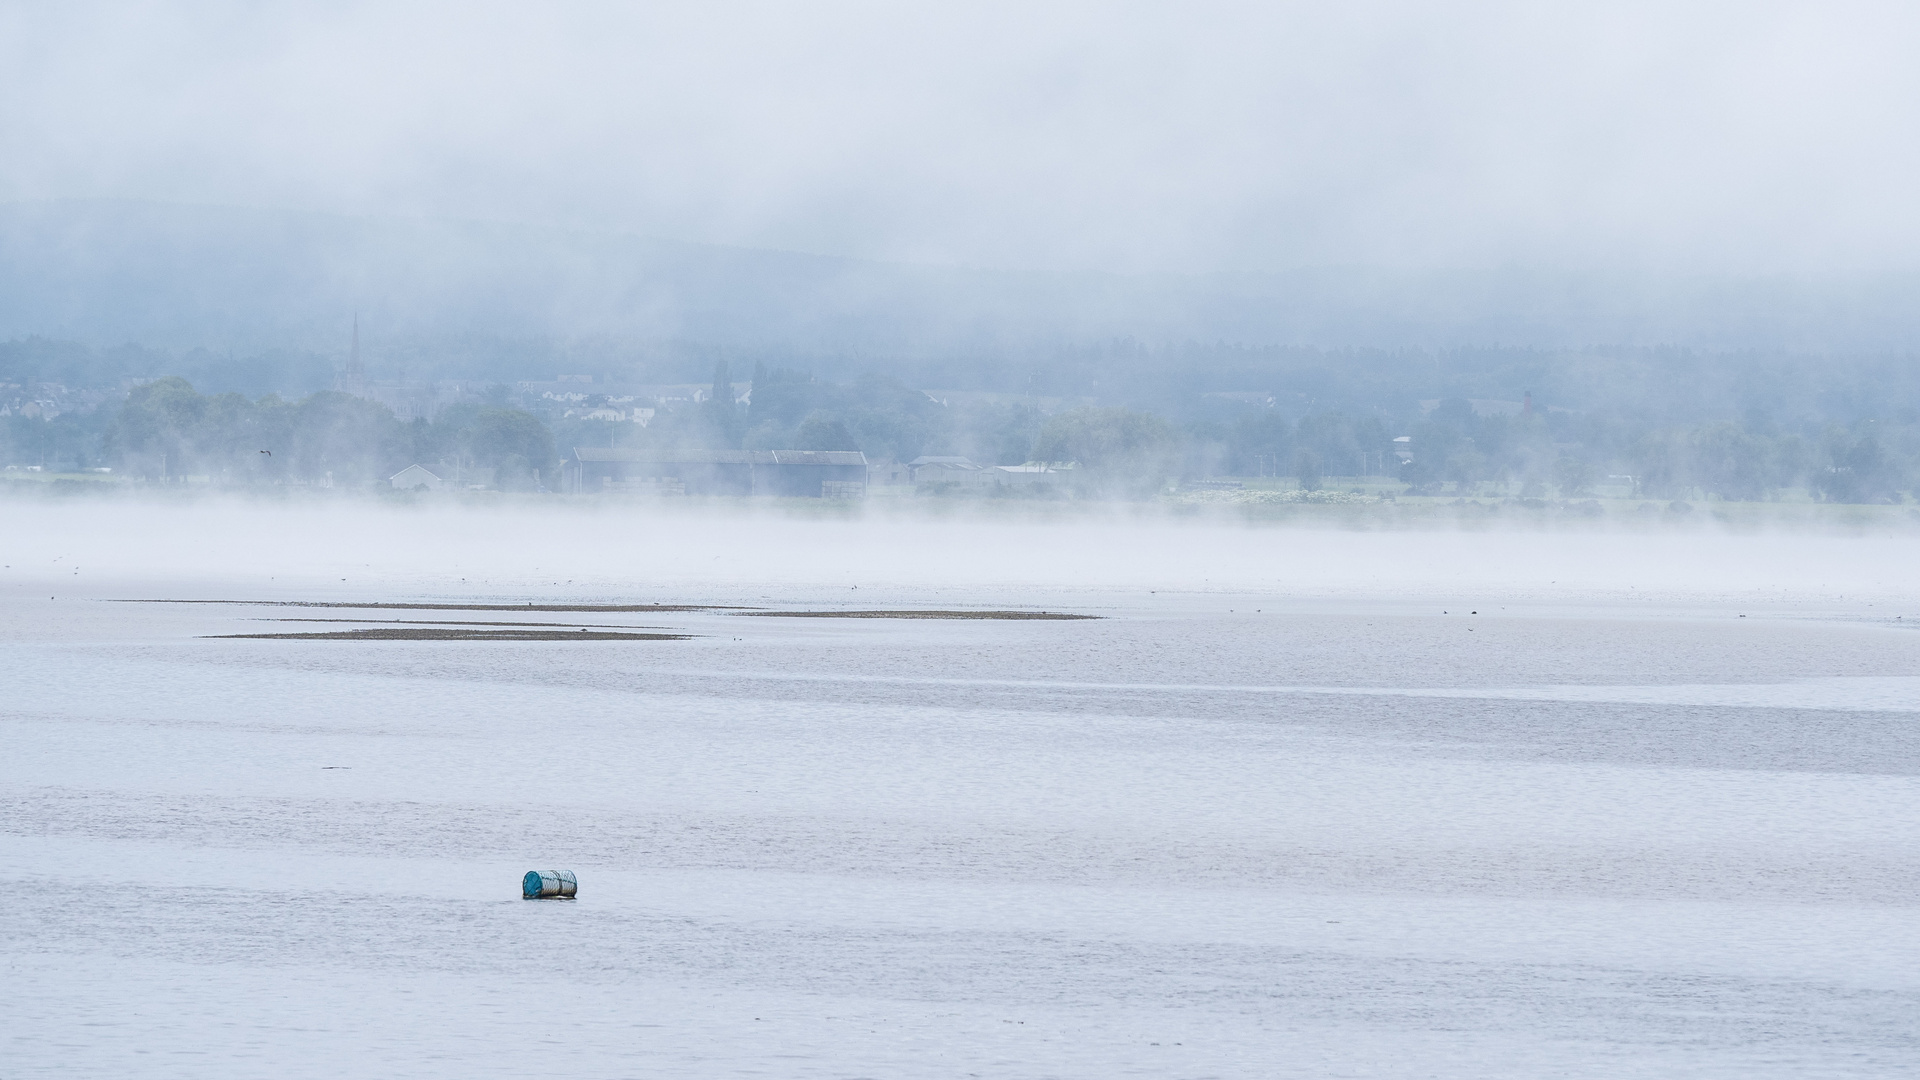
(1721,138)
(1091,540)
(1581,262)
(1278,802)
(650,554)
(1552,265)
(861,181)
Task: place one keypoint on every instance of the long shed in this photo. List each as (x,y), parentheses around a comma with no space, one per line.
(804,473)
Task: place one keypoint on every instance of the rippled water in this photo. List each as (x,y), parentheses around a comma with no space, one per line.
(1224,833)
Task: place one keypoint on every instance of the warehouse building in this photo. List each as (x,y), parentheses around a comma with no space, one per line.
(831,474)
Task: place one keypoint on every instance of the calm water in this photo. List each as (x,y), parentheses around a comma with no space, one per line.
(1231,833)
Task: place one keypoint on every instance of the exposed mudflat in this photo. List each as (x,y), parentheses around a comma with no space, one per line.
(905,613)
(536,607)
(423,633)
(910,614)
(463,622)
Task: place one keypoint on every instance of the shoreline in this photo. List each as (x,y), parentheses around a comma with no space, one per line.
(1325,509)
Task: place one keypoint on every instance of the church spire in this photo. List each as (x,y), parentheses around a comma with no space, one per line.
(354,379)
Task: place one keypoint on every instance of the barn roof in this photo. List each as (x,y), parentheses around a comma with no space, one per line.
(813,457)
(719,457)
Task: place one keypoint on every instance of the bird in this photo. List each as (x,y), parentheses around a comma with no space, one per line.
(269,453)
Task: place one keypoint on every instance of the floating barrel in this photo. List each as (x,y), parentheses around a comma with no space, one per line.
(545,884)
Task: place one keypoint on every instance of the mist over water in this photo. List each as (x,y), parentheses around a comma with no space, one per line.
(1234,541)
(643,554)
(1427,803)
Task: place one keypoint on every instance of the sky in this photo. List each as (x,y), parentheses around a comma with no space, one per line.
(1144,138)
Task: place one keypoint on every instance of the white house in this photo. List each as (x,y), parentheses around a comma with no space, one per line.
(1033,474)
(950,470)
(963,473)
(417,476)
(888,472)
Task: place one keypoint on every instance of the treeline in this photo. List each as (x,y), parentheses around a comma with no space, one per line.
(64,443)
(1573,454)
(794,410)
(71,363)
(1865,462)
(1663,386)
(166,431)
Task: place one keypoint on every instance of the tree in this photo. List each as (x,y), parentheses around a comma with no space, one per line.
(1441,451)
(158,426)
(1729,462)
(1660,465)
(515,444)
(1857,469)
(342,439)
(823,432)
(720,412)
(1121,453)
(1345,446)
(1306,470)
(1573,477)
(1260,444)
(781,397)
(1000,432)
(889,419)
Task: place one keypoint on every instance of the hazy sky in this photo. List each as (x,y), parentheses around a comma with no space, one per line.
(1190,136)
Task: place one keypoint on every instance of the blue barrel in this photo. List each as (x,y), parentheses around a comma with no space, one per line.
(548,884)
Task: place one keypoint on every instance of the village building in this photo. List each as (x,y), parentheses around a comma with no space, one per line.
(962,474)
(832,474)
(1034,474)
(950,472)
(417,476)
(442,477)
(889,474)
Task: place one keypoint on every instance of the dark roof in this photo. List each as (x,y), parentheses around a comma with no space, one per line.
(664,457)
(809,457)
(719,457)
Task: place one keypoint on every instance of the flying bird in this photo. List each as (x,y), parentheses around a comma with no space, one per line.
(269,453)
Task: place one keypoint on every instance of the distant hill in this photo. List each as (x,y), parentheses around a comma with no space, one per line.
(170,276)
